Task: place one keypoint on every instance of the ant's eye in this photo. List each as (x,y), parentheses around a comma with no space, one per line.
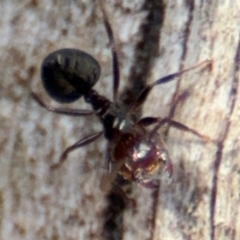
(67,74)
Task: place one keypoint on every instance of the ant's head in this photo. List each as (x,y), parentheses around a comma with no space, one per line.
(67,74)
(151,159)
(146,156)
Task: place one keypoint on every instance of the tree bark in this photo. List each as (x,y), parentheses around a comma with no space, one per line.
(153,39)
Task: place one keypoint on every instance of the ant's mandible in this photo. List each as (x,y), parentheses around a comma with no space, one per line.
(135,152)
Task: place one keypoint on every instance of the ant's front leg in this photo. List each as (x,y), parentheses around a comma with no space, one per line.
(110,185)
(63,111)
(110,177)
(147,121)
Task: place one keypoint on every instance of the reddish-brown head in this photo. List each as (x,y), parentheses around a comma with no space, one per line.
(143,157)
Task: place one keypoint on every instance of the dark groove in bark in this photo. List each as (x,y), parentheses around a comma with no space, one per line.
(113,215)
(190,5)
(155,196)
(217,162)
(146,51)
(218,159)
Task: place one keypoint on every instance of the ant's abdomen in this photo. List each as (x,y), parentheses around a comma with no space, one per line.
(67,74)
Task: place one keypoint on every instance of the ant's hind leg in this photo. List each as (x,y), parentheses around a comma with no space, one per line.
(115,62)
(63,111)
(144,94)
(76,145)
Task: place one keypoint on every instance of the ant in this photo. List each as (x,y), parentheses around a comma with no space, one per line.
(135,152)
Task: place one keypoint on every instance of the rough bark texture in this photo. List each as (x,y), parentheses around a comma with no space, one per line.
(201,200)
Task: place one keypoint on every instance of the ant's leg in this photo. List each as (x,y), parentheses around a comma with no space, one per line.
(108,178)
(177,125)
(76,145)
(147,121)
(64,111)
(108,184)
(115,64)
(178,99)
(143,95)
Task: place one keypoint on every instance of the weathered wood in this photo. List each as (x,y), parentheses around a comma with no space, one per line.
(201,201)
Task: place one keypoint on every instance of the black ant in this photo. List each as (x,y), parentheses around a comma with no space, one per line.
(135,152)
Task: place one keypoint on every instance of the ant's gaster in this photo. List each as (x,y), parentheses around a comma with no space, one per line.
(135,152)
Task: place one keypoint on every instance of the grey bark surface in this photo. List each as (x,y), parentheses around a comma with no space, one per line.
(200,201)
